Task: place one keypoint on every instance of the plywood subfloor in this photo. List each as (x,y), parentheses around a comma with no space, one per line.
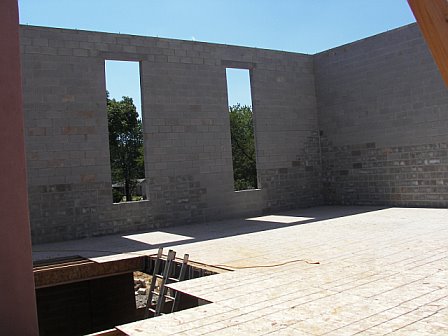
(319,271)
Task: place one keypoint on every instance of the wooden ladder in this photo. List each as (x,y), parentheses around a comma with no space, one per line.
(166,277)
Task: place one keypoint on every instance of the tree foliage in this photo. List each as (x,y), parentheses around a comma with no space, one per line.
(125,143)
(243,147)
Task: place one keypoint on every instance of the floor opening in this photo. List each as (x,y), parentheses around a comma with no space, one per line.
(77,296)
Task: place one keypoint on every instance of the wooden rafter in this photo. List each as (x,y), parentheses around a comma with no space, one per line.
(432,17)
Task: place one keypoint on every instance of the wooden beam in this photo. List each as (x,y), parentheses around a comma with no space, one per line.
(109,332)
(18,315)
(73,271)
(432,17)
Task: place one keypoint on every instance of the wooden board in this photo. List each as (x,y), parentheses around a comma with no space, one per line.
(432,17)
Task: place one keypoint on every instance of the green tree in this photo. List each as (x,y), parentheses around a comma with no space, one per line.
(125,143)
(243,147)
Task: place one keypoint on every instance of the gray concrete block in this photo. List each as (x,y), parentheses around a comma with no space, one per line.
(363,123)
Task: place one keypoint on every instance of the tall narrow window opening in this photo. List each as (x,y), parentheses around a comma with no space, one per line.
(124,113)
(242,129)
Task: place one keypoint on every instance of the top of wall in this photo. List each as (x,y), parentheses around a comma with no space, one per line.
(138,40)
(108,37)
(385,90)
(406,32)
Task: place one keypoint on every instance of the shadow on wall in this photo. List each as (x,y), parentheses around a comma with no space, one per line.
(181,235)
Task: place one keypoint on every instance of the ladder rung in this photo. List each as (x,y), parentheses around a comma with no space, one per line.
(164,276)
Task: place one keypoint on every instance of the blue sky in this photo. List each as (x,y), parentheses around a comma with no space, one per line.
(306,26)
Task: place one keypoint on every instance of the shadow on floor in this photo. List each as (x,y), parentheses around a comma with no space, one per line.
(187,234)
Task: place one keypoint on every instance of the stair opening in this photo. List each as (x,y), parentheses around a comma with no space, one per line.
(78,296)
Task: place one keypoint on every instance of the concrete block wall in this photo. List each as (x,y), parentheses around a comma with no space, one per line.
(186,129)
(65,128)
(364,123)
(383,118)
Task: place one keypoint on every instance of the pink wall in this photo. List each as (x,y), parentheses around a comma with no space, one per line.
(17,298)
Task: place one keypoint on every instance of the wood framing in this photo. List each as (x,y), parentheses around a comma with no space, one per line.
(432,17)
(64,272)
